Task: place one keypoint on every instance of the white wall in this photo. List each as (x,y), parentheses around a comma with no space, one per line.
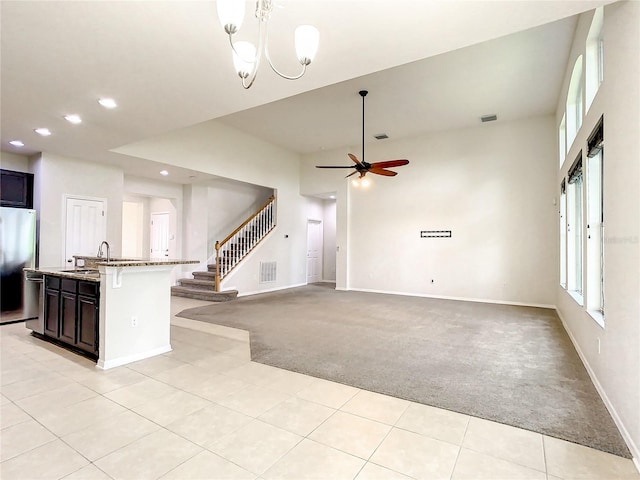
(195,227)
(229,204)
(214,148)
(140,226)
(315,181)
(615,369)
(329,241)
(56,177)
(132,236)
(491,185)
(17,163)
(158,193)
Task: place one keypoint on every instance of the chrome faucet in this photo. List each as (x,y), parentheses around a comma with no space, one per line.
(108,250)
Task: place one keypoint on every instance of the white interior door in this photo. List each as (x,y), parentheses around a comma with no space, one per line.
(159,235)
(314,251)
(86,227)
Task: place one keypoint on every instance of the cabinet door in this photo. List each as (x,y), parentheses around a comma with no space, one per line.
(88,323)
(68,317)
(51,312)
(16,189)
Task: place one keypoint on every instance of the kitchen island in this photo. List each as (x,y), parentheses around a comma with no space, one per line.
(132,300)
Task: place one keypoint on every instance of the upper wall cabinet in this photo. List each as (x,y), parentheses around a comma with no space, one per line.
(16,189)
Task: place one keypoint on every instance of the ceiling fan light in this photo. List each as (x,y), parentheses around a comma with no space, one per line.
(230,14)
(307,38)
(244,58)
(365,182)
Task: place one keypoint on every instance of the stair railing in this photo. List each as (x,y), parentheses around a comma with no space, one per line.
(238,244)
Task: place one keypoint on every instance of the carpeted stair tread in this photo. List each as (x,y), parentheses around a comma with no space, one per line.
(204,275)
(206,295)
(197,284)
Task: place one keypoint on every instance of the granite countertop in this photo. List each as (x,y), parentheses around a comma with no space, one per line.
(94,262)
(143,263)
(91,273)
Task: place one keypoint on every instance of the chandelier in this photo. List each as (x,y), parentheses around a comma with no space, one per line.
(246,58)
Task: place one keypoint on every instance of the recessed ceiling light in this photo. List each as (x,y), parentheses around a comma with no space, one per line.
(332,196)
(108,102)
(75,119)
(164,173)
(16,143)
(45,132)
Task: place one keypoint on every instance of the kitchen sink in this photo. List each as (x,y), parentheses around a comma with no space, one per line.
(80,271)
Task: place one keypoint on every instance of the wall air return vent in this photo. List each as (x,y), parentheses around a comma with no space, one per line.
(267,272)
(488,118)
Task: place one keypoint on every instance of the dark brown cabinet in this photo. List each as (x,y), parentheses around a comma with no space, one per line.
(72,312)
(67,331)
(16,189)
(87,316)
(51,306)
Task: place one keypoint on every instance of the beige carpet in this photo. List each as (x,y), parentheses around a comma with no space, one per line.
(513,365)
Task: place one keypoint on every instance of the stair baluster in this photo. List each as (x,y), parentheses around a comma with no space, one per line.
(238,244)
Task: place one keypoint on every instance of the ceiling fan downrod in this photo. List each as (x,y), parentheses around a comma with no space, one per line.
(362,167)
(363,93)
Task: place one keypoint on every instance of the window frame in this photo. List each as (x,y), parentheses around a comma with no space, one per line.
(595,224)
(575,231)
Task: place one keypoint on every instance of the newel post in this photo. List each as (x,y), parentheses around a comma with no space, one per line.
(217,279)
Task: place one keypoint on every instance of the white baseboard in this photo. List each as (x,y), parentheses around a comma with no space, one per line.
(444,297)
(276,289)
(633,448)
(117,362)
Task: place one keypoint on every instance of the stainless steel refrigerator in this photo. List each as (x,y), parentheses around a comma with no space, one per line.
(17,251)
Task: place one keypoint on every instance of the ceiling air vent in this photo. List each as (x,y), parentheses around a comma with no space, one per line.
(488,118)
(381,136)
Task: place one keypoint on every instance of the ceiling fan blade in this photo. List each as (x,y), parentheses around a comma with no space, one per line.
(352,174)
(354,158)
(390,163)
(382,171)
(335,166)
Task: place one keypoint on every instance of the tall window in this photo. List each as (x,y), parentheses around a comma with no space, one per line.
(563,234)
(574,102)
(594,60)
(574,229)
(595,222)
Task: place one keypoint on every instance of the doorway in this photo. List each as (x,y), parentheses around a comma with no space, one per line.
(85,228)
(314,251)
(160,235)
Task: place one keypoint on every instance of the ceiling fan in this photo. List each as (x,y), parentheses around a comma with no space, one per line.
(362,167)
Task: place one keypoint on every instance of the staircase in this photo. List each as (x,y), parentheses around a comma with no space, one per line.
(229,253)
(202,287)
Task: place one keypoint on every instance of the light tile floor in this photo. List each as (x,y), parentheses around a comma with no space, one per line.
(205,411)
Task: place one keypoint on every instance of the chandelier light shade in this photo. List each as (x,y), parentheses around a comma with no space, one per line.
(230,14)
(307,38)
(246,57)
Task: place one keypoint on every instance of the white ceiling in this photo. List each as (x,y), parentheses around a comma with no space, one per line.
(167,63)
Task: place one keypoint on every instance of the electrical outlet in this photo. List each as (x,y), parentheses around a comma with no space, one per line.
(134,322)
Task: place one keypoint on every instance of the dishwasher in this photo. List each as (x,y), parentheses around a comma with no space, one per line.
(33,301)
